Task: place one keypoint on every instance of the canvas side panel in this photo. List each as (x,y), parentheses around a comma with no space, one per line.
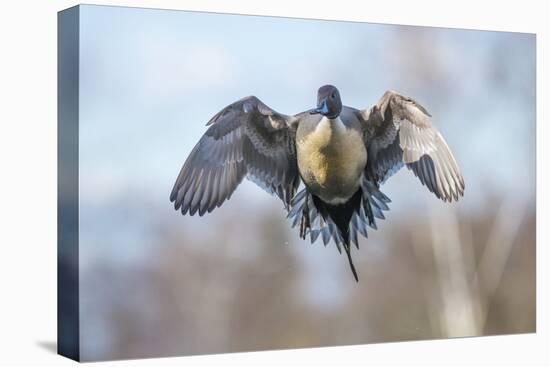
(68,343)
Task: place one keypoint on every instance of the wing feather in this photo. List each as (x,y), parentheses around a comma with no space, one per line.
(245,139)
(399,132)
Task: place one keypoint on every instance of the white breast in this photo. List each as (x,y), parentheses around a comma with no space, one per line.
(331,159)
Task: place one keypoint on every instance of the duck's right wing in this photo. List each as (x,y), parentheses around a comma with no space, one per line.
(245,139)
(399,132)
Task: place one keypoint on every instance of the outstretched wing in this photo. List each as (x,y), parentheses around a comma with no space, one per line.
(398,131)
(245,139)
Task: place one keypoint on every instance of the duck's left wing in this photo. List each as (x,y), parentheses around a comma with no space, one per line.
(245,139)
(398,132)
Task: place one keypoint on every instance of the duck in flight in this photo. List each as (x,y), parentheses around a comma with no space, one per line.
(341,155)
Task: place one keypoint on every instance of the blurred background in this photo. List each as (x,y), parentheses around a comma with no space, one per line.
(156,283)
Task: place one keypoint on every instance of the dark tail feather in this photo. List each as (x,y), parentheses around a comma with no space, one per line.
(348,252)
(341,216)
(340,222)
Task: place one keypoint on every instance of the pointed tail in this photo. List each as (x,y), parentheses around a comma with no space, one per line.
(340,222)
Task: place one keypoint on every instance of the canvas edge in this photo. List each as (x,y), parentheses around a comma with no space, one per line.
(68,320)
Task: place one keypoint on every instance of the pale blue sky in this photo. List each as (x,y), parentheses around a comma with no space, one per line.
(150,79)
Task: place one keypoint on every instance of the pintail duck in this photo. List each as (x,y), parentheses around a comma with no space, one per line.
(341,155)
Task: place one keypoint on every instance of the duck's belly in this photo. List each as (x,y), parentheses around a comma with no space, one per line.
(331,160)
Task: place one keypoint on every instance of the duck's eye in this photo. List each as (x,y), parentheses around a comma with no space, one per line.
(333,95)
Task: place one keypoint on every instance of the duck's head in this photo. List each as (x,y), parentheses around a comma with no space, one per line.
(329,103)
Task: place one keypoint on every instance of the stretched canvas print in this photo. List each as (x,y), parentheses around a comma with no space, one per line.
(235,183)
